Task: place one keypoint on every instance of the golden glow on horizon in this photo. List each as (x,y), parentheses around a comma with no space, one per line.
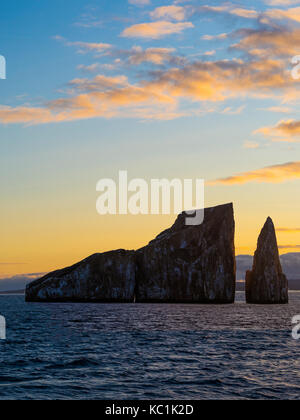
(53,223)
(48,243)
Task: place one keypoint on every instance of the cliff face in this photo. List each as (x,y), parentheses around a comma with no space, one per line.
(190,264)
(183,264)
(266,283)
(108,277)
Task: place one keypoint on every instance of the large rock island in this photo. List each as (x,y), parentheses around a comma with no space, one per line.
(184,264)
(266,283)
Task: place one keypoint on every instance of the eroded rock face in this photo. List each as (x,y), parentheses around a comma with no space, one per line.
(183,264)
(266,283)
(108,277)
(190,263)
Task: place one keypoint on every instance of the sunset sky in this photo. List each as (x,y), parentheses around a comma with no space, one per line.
(163,89)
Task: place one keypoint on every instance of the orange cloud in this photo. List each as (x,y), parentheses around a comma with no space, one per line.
(265,17)
(281,109)
(91,46)
(104,97)
(99,83)
(230,9)
(269,42)
(84,47)
(245,13)
(155,30)
(214,37)
(220,80)
(285,131)
(279,14)
(270,174)
(199,81)
(151,55)
(27,115)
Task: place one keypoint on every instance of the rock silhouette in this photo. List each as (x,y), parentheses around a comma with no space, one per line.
(184,264)
(266,283)
(191,263)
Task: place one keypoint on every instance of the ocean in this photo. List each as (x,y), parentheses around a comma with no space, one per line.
(137,351)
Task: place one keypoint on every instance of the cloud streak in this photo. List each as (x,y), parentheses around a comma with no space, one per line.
(284,131)
(270,174)
(173,80)
(156,30)
(288,230)
(200,81)
(139,2)
(169,12)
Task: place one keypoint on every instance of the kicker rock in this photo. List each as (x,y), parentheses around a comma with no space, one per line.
(108,277)
(193,264)
(266,283)
(183,264)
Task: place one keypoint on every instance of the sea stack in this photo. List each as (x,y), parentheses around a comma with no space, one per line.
(266,283)
(184,264)
(193,264)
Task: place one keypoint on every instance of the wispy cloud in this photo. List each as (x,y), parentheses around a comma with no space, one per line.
(284,131)
(269,174)
(241,12)
(292,14)
(157,56)
(281,2)
(265,17)
(139,2)
(84,47)
(233,111)
(156,30)
(169,12)
(269,42)
(172,80)
(201,81)
(288,230)
(279,109)
(251,144)
(90,68)
(214,37)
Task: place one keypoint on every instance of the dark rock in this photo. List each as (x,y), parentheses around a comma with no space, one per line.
(190,263)
(108,277)
(183,264)
(266,283)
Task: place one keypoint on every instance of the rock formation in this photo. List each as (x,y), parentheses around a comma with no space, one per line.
(266,283)
(193,264)
(190,263)
(108,277)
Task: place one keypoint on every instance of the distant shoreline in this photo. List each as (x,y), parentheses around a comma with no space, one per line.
(13,292)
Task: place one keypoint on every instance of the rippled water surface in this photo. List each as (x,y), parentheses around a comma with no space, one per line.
(96,351)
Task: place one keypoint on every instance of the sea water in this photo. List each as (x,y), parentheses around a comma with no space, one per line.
(144,351)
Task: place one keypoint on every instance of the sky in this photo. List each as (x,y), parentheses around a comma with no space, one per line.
(162,89)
